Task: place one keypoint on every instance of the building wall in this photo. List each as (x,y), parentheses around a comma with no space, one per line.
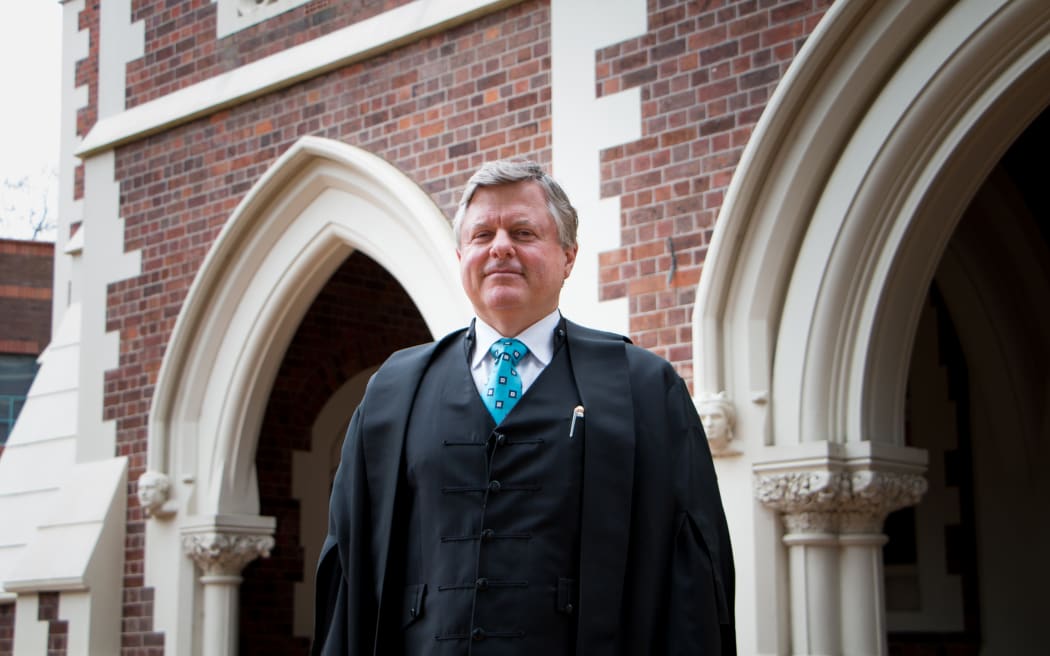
(436,108)
(706,72)
(25,296)
(182,46)
(25,304)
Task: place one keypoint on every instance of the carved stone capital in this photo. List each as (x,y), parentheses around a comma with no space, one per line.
(225,555)
(823,501)
(809,498)
(875,494)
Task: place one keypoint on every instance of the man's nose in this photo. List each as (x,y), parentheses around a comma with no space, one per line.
(502,245)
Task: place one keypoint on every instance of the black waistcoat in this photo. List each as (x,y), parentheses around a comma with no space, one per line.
(492,533)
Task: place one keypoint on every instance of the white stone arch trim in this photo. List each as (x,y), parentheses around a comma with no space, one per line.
(317,204)
(852,182)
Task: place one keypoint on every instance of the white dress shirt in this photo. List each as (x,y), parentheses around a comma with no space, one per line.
(539,338)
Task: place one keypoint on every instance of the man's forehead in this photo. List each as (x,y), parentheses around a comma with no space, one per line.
(510,217)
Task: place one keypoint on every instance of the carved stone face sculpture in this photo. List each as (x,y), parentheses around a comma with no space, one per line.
(717,415)
(152,491)
(713,416)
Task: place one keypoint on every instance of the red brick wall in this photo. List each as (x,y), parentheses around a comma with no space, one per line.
(26,274)
(182,48)
(86,74)
(7,629)
(57,630)
(706,71)
(360,318)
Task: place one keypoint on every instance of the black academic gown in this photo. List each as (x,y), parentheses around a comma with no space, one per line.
(656,567)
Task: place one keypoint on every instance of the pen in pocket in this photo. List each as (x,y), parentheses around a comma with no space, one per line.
(577,413)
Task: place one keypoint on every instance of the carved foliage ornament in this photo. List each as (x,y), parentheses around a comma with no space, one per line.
(827,501)
(224,554)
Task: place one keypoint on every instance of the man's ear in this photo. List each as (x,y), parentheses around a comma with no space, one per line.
(570,258)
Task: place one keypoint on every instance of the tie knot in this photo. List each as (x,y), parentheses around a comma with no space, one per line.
(511,350)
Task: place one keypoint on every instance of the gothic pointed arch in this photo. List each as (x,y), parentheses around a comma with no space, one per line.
(855,177)
(321,201)
(853,181)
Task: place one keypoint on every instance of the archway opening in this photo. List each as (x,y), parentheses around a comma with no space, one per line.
(959,564)
(359,317)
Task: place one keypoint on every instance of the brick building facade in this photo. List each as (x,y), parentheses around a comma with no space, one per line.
(26,269)
(256,200)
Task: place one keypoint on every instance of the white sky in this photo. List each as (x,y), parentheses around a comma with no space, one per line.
(30,77)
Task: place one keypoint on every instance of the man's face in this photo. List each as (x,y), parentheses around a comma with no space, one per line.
(511,261)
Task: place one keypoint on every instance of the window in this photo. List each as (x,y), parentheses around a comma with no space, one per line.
(16,375)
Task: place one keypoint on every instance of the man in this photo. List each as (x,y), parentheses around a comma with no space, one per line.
(583,519)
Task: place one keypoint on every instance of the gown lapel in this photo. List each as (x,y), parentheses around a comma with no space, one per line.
(599,364)
(384,444)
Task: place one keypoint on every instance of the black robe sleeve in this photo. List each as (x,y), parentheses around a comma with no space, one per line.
(345,611)
(700,604)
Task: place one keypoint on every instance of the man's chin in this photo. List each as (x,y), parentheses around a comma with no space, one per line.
(503,300)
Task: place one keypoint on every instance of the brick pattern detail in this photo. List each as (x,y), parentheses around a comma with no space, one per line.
(359,318)
(706,71)
(7,626)
(26,277)
(182,48)
(57,630)
(85,73)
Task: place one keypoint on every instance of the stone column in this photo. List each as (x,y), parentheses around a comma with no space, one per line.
(833,519)
(808,500)
(872,495)
(221,549)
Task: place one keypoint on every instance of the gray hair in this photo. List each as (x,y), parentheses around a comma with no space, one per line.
(506,171)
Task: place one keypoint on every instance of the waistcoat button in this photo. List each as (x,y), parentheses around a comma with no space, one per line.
(478,634)
(487,535)
(494,486)
(482,583)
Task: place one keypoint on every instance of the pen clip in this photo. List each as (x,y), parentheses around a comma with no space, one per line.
(577,413)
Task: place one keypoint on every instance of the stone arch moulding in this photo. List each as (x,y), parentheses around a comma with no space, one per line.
(851,185)
(852,182)
(318,203)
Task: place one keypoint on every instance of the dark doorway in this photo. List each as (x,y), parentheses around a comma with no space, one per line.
(360,317)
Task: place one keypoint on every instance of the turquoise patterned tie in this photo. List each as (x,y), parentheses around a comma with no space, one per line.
(504,387)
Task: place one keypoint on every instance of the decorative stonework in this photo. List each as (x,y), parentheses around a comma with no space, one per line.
(808,499)
(220,554)
(719,418)
(873,495)
(823,501)
(153,490)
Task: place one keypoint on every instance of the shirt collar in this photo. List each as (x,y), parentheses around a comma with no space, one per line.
(539,338)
